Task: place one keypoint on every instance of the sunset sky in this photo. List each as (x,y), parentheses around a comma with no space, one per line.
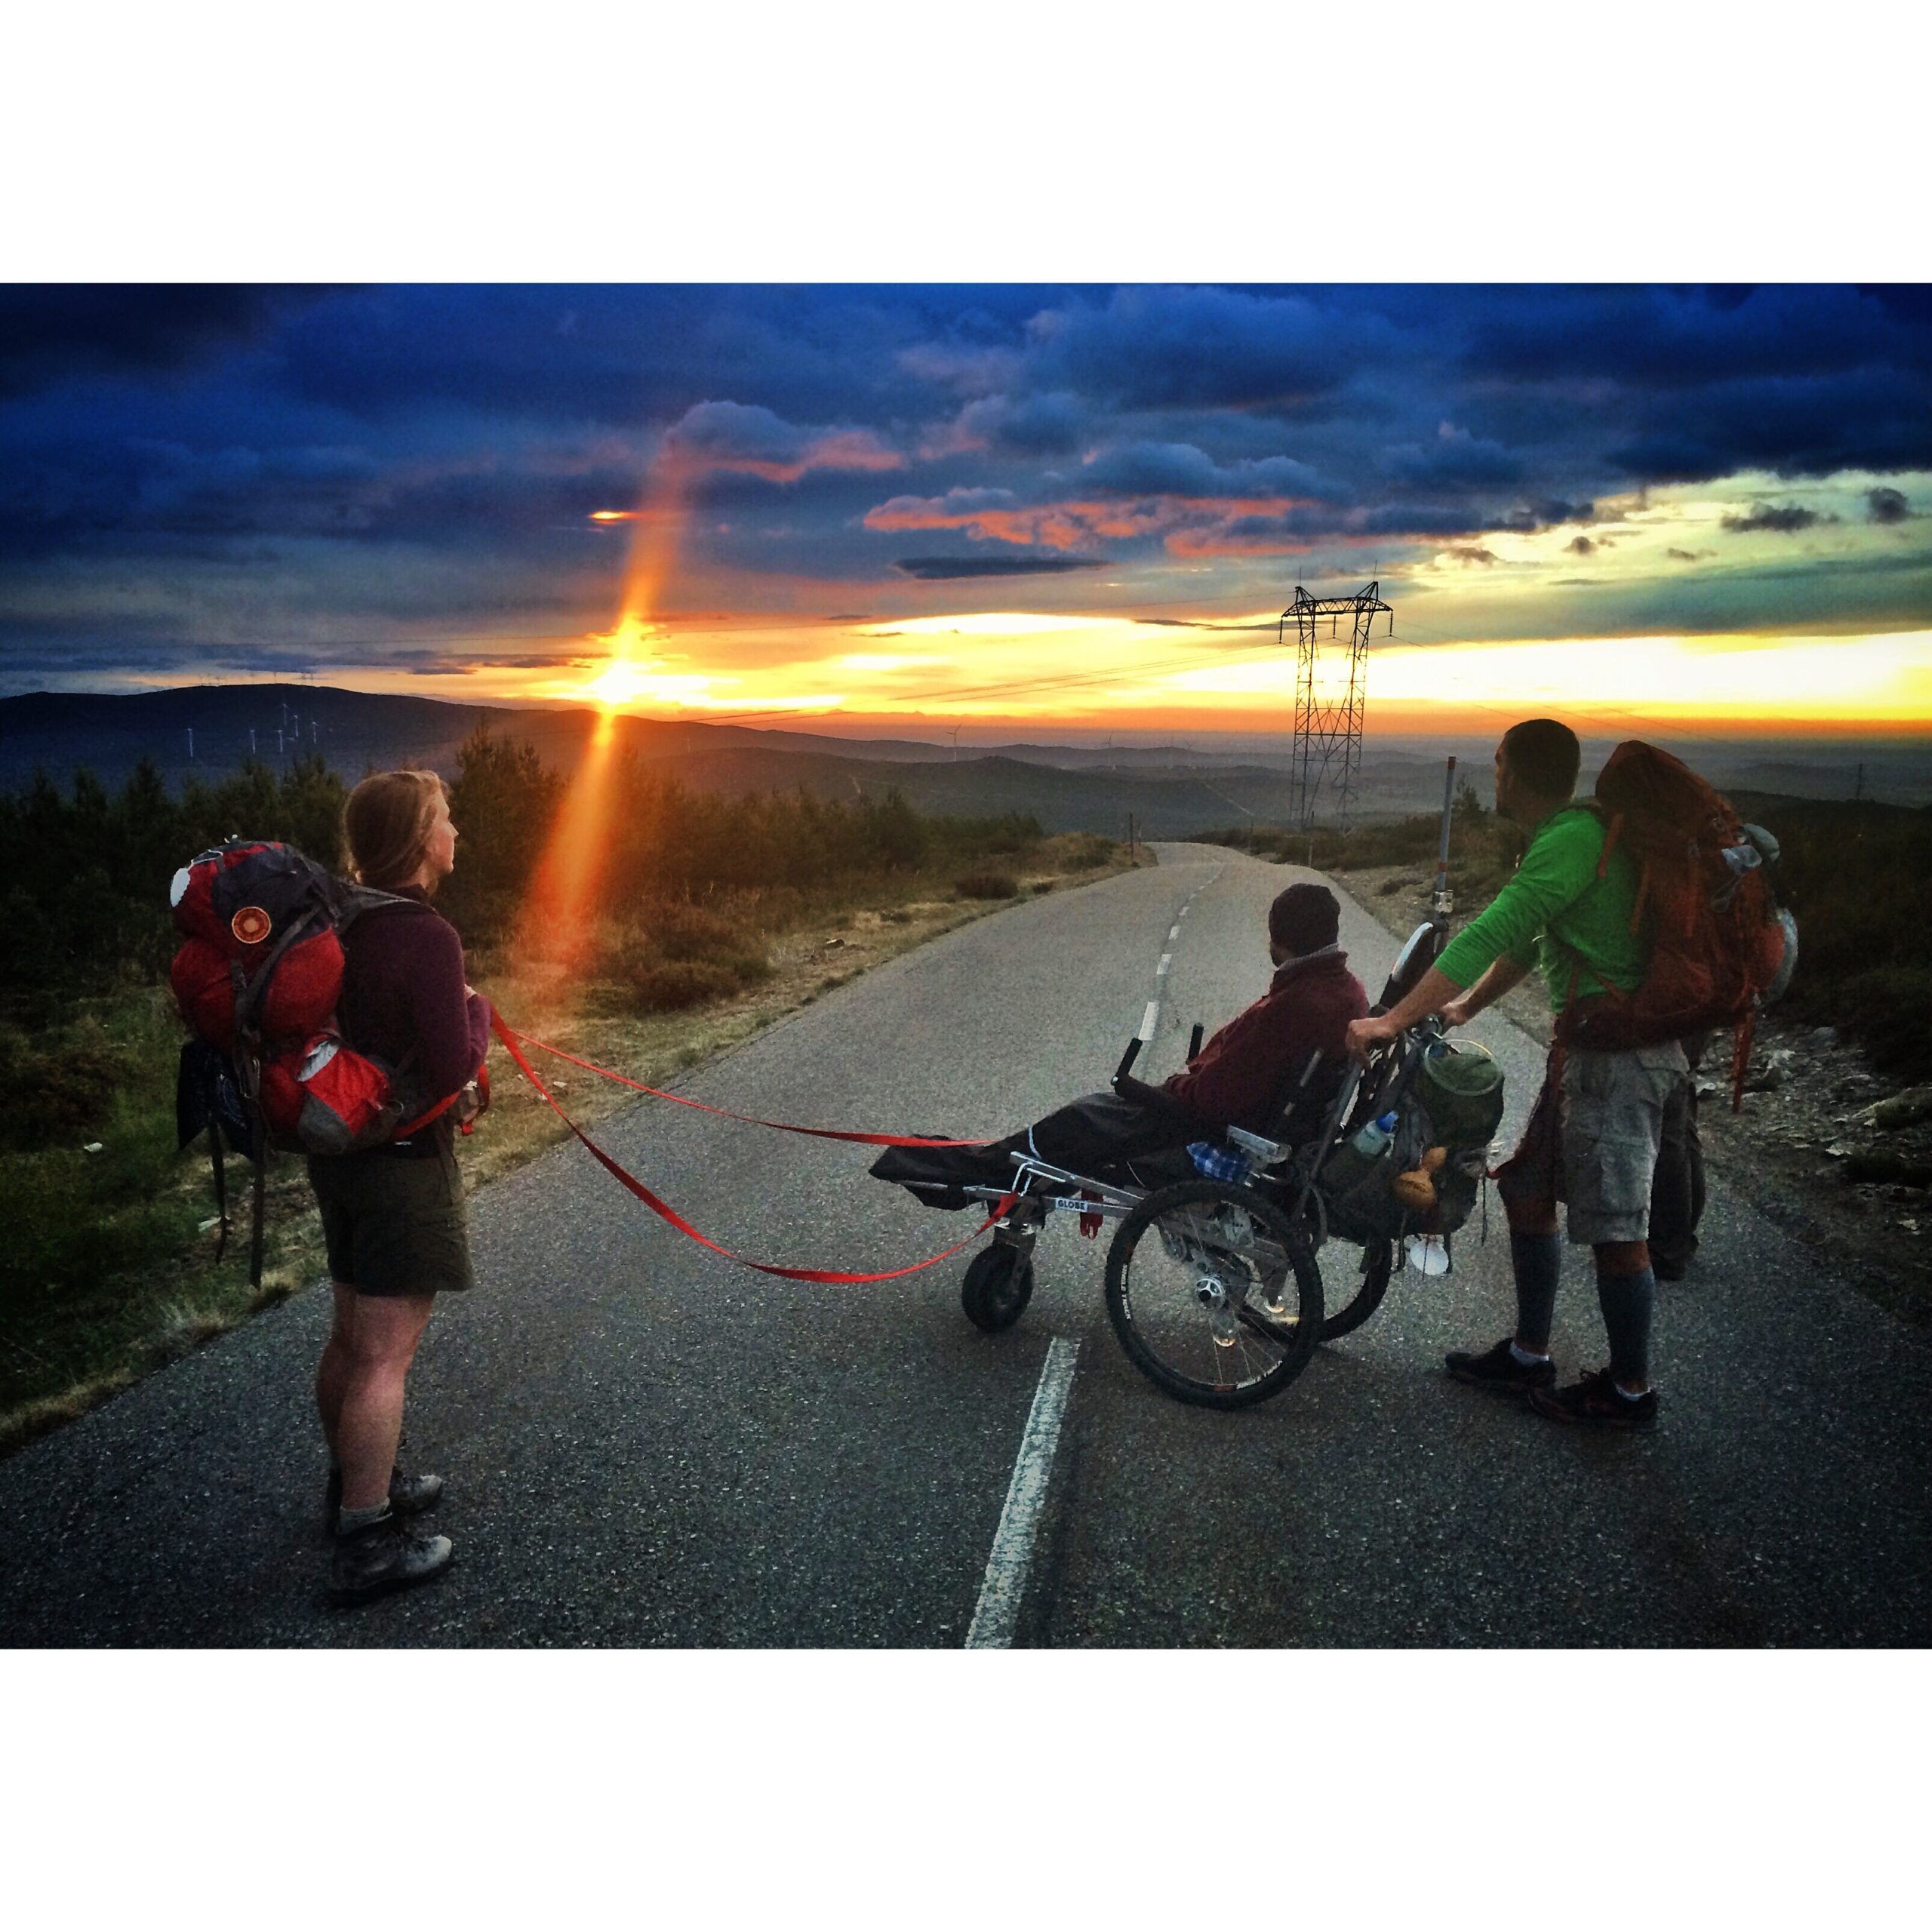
(907,507)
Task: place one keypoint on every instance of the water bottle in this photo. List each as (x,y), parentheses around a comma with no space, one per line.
(1356,1156)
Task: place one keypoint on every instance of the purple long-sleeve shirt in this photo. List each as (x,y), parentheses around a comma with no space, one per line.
(404,989)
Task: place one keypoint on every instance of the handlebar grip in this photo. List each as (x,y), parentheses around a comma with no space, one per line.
(1194,1041)
(1127,1060)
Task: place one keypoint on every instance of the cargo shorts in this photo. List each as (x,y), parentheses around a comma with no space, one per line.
(1592,1139)
(394,1225)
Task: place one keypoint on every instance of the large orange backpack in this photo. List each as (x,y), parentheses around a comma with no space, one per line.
(1720,948)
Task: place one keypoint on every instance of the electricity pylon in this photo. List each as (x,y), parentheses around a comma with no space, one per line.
(1328,728)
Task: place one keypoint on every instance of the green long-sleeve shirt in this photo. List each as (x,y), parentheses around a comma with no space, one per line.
(1556,915)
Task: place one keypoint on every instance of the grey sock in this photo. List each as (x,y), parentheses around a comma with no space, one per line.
(348,1521)
(1537,1260)
(1626,1301)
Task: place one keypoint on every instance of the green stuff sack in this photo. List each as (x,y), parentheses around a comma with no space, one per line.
(1460,1086)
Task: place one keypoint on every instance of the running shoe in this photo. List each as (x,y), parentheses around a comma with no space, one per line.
(1596,1398)
(1498,1368)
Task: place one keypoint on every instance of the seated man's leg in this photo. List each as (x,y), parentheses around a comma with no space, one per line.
(1100,1131)
(1095,1136)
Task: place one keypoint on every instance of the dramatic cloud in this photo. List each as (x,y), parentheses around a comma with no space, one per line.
(749,438)
(195,469)
(932,569)
(1787,518)
(1160,347)
(96,329)
(1455,457)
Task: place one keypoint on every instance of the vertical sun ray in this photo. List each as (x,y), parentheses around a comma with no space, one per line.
(559,914)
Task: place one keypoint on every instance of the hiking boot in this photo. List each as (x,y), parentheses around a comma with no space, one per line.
(1498,1368)
(1596,1398)
(386,1556)
(409,1495)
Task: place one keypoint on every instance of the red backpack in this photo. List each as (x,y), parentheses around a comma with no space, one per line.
(257,978)
(1720,948)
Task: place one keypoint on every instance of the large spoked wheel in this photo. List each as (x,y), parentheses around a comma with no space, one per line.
(1214,1294)
(1354,1280)
(998,1285)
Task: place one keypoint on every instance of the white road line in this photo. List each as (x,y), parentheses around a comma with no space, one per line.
(999,1606)
(1161,970)
(1150,1020)
(1174,931)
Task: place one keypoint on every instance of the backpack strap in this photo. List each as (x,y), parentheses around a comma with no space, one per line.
(261,1199)
(220,1186)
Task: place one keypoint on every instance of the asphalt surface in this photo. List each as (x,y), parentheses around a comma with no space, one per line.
(645,1444)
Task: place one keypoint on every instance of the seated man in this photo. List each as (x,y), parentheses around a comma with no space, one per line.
(1241,1078)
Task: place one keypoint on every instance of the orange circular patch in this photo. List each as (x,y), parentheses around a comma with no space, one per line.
(252,925)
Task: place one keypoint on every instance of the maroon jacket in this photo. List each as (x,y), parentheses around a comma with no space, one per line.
(1242,1075)
(404,990)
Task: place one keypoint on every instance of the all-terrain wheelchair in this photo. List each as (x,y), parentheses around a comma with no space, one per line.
(1220,1284)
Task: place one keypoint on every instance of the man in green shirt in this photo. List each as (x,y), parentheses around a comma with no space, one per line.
(1592,1139)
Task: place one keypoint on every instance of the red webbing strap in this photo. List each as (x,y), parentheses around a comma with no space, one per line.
(1740,1056)
(423,1120)
(665,1212)
(505,1033)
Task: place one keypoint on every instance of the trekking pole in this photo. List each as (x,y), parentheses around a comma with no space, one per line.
(1442,905)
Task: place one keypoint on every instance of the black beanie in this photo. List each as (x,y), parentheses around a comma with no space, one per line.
(1304,919)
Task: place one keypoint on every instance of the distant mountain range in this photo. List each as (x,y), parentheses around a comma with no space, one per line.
(1171,790)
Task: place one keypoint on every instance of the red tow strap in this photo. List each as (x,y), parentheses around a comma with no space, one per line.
(665,1211)
(505,1032)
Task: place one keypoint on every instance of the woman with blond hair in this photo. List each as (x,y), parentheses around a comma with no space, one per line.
(393,1216)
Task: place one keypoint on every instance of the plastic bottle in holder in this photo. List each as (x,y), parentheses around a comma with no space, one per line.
(1358,1155)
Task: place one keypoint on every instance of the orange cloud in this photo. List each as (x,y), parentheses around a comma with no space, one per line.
(843,449)
(1074,526)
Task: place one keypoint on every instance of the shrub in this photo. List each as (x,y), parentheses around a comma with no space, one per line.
(1888,1011)
(670,985)
(1085,850)
(988,885)
(58,1094)
(675,954)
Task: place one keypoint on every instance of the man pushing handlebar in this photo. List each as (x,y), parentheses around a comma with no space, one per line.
(1241,1078)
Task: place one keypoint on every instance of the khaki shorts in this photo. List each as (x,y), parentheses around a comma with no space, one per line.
(394,1225)
(1592,1139)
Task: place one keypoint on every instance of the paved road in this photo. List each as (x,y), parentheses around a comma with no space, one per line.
(646,1446)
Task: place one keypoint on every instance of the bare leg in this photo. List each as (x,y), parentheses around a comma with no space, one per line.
(381,1344)
(332,1371)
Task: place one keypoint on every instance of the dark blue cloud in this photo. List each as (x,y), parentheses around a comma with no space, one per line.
(1180,470)
(92,329)
(1165,348)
